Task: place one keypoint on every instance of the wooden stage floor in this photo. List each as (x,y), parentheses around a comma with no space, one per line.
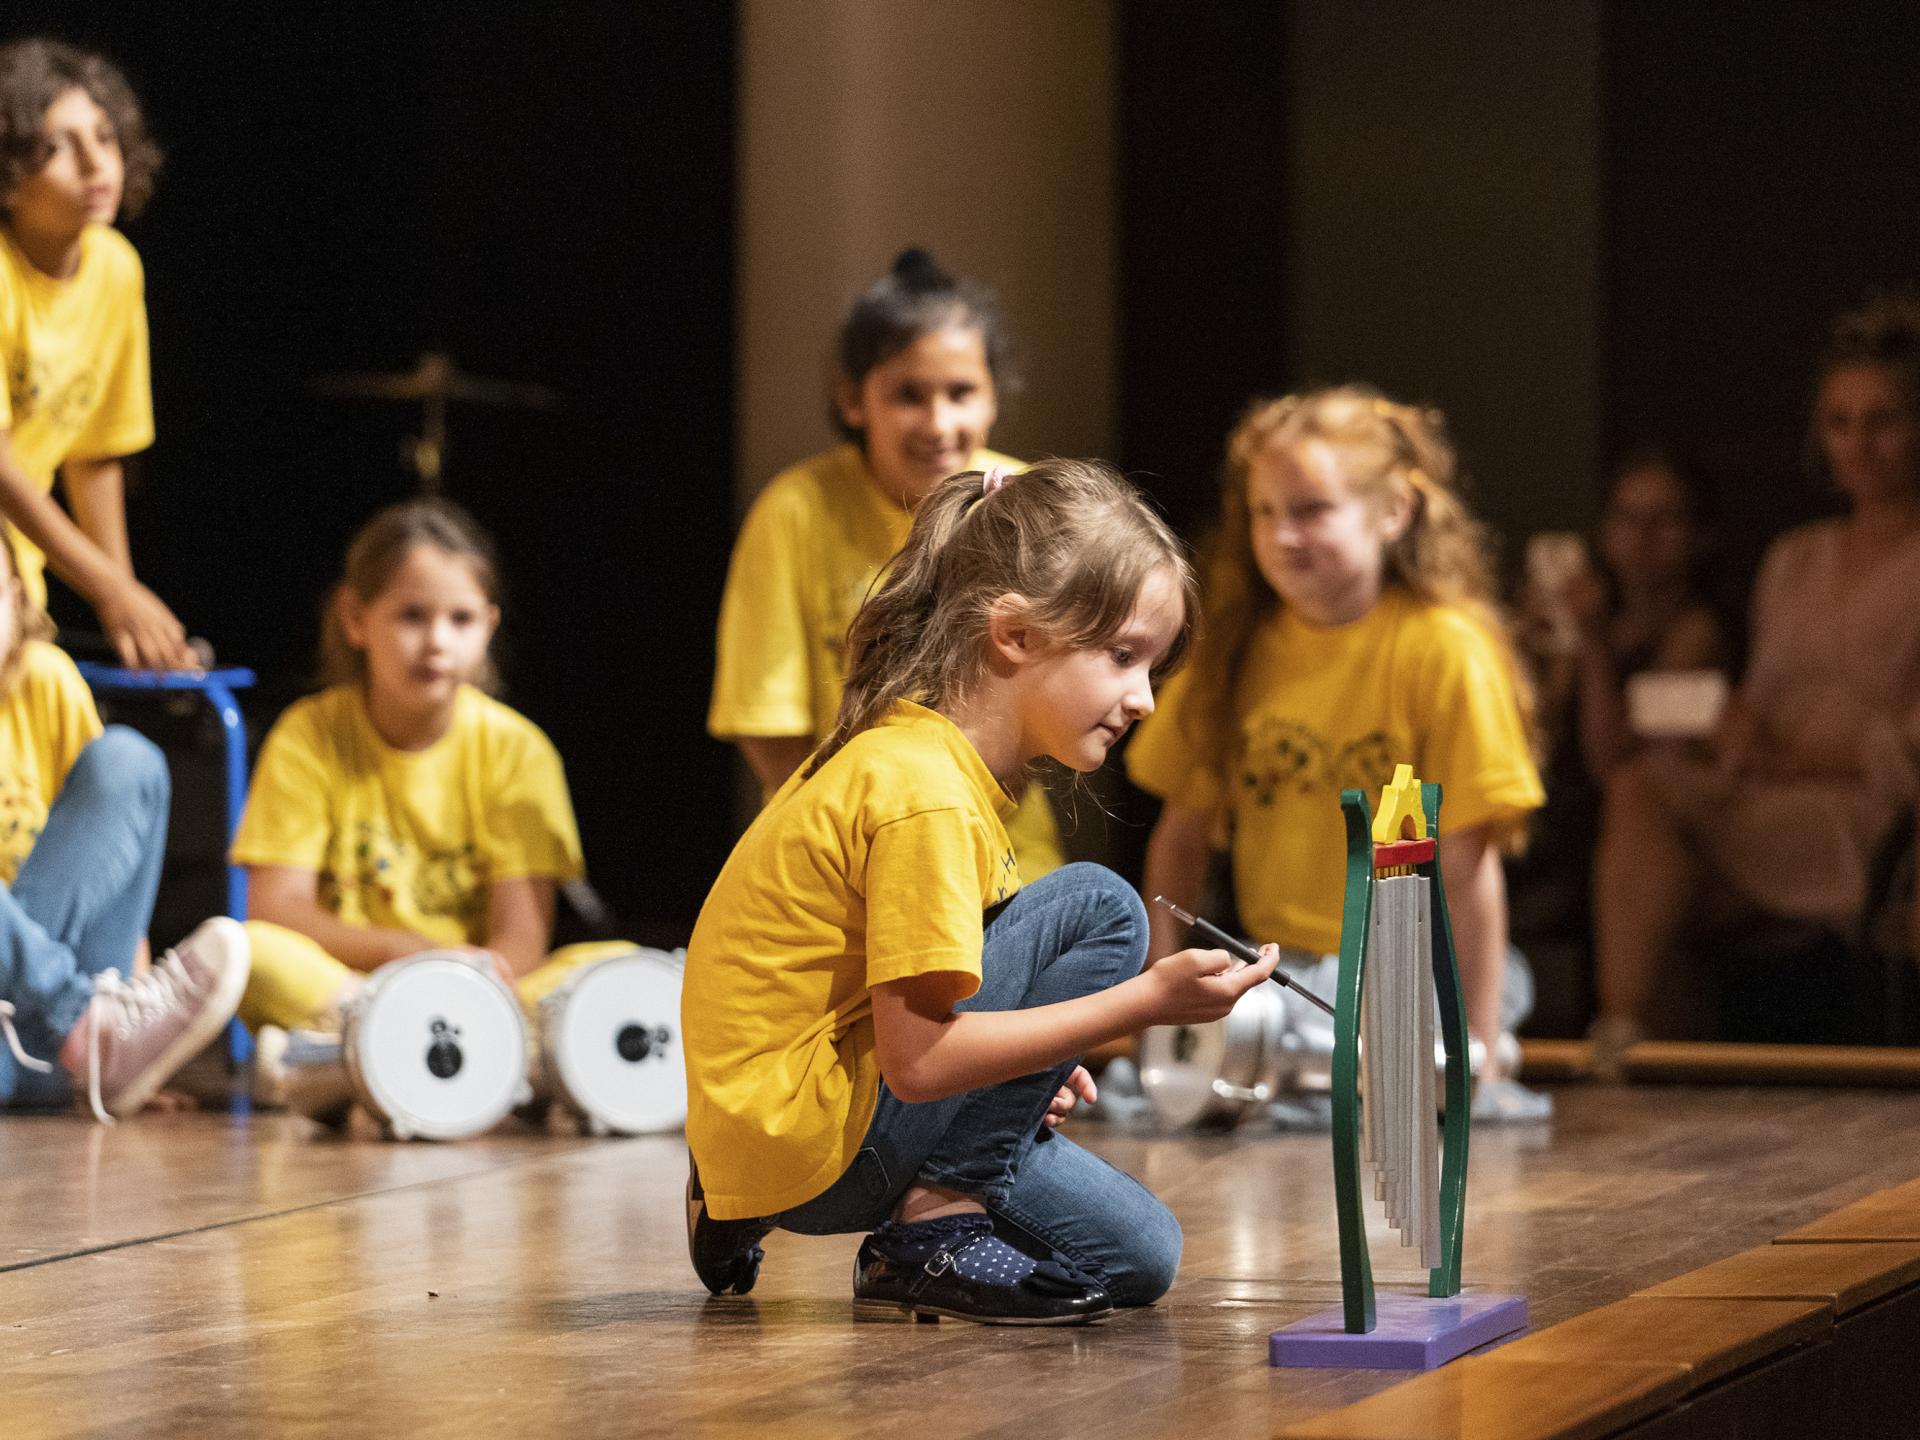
(214,1276)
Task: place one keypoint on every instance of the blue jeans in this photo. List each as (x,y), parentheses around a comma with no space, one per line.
(1074,932)
(81,901)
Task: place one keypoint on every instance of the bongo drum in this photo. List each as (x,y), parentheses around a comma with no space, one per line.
(610,1044)
(433,1046)
(1218,1073)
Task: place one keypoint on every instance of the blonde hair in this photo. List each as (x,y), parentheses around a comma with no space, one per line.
(1071,538)
(1390,454)
(31,621)
(380,549)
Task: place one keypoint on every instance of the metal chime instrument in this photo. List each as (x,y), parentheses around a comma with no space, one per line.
(1397,967)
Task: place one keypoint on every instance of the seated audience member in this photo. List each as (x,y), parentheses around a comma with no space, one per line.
(1818,755)
(1639,602)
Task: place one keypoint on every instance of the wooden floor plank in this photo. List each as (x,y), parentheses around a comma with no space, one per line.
(67,1187)
(1845,1276)
(532,1285)
(1485,1398)
(1711,1338)
(1890,1215)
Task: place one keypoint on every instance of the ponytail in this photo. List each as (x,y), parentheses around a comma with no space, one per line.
(1071,538)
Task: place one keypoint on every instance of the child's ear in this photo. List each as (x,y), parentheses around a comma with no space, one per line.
(1011,639)
(351,614)
(1396,517)
(846,399)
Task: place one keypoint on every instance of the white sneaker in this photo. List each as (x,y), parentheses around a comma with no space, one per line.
(139,1032)
(1507,1102)
(268,1086)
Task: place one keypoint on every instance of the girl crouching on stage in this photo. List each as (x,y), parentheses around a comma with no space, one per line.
(880,1020)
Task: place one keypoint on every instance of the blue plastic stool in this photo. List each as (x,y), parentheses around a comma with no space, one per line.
(218,687)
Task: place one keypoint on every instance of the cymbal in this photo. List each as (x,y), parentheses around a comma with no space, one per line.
(435,379)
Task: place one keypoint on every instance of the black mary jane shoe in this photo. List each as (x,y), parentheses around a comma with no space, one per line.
(726,1254)
(954,1266)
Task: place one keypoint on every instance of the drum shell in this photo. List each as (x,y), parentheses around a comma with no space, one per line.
(1242,1061)
(359,1063)
(562,1077)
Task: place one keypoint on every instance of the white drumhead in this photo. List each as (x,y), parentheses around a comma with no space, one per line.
(439,1047)
(1178,1065)
(613,1043)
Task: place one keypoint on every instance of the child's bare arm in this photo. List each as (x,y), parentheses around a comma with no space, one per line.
(1177,854)
(774,757)
(1477,905)
(927,1051)
(290,897)
(520,921)
(97,494)
(143,630)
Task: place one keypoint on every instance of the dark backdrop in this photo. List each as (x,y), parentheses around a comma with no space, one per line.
(544,191)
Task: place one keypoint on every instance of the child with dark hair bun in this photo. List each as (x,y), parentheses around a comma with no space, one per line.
(922,359)
(74,154)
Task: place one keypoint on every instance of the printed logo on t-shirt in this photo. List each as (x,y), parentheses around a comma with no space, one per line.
(389,877)
(32,389)
(1279,757)
(1009,877)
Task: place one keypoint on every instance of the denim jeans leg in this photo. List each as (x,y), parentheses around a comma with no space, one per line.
(82,899)
(1074,932)
(1100,1217)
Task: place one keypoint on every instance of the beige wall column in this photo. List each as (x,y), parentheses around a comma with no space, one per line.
(982,131)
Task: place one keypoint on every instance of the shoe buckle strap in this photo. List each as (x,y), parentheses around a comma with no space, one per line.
(13,1042)
(939,1265)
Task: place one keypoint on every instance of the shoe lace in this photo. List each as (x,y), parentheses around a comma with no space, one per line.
(13,1041)
(132,1004)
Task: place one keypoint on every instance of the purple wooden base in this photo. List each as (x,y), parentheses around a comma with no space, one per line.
(1412,1333)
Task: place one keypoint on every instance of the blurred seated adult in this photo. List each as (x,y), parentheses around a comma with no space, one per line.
(1590,621)
(1814,762)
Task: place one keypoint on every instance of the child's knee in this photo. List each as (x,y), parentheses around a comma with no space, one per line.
(1113,908)
(122,762)
(1150,1259)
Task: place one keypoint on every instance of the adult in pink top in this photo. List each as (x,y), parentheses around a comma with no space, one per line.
(1820,753)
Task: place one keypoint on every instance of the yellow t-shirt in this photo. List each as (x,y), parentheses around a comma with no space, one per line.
(409,839)
(809,551)
(1321,710)
(75,355)
(878,867)
(46,720)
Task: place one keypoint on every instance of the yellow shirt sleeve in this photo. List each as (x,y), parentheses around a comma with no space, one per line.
(286,821)
(10,301)
(1474,740)
(1162,760)
(529,824)
(762,684)
(924,880)
(122,420)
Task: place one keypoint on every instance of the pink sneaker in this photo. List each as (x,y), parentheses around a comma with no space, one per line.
(139,1032)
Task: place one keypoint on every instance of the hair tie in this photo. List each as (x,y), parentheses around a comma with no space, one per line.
(993,479)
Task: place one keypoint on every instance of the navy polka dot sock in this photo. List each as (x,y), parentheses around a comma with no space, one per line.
(978,1254)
